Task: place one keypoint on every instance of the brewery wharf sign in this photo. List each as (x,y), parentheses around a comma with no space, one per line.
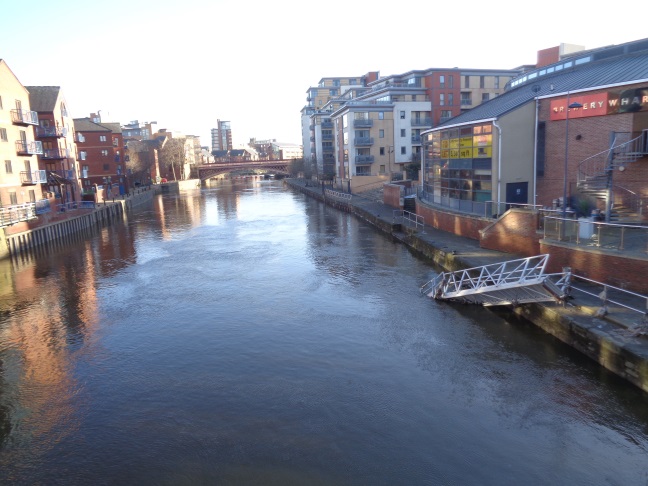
(608,103)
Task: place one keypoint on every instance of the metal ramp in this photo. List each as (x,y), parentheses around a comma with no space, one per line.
(512,282)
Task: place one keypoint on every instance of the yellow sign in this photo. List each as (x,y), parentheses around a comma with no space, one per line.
(465,142)
(454,143)
(465,153)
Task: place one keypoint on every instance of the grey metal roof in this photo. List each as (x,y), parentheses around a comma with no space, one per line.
(609,66)
(43,98)
(87,125)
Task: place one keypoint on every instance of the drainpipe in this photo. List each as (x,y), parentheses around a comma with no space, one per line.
(499,163)
(535,156)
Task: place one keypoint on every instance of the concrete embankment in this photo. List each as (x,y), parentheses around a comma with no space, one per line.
(609,340)
(76,223)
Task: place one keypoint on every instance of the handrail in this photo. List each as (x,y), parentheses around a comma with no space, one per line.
(405,215)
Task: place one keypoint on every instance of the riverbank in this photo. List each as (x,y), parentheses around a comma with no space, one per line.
(611,340)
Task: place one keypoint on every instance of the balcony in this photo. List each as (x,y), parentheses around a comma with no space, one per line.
(28,178)
(23,147)
(45,132)
(24,117)
(364,159)
(363,141)
(416,139)
(362,122)
(422,122)
(327,137)
(14,214)
(444,119)
(466,102)
(327,124)
(55,154)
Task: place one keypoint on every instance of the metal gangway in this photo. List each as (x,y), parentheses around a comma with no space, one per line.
(512,282)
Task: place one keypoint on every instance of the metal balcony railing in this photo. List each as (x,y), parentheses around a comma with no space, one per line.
(364,159)
(327,124)
(363,141)
(15,214)
(466,102)
(416,139)
(362,122)
(422,122)
(51,132)
(24,147)
(35,177)
(52,154)
(24,117)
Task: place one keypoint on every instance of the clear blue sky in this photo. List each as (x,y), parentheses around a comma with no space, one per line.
(186,64)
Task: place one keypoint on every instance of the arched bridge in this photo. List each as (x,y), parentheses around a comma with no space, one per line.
(207,171)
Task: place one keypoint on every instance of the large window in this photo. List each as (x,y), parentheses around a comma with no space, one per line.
(458,167)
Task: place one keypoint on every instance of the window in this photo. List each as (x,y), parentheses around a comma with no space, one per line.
(381,115)
(441,99)
(485,97)
(3,135)
(80,137)
(115,142)
(381,133)
(336,82)
(104,153)
(467,82)
(84,170)
(32,195)
(445,114)
(402,115)
(0,102)
(63,109)
(496,79)
(450,99)
(82,155)
(332,92)
(106,167)
(8,168)
(403,132)
(102,138)
(403,150)
(442,81)
(481,81)
(382,150)
(12,197)
(450,82)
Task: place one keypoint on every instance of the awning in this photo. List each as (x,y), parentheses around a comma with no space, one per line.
(54,178)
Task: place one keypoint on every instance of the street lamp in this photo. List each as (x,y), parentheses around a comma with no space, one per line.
(573,105)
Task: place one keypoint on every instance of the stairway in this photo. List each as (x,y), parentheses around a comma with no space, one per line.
(595,177)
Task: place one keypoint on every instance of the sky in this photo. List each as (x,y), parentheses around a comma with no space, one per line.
(186,64)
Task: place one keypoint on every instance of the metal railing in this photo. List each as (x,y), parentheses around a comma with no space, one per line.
(15,214)
(26,117)
(409,219)
(586,232)
(74,205)
(35,177)
(51,131)
(614,300)
(342,196)
(29,148)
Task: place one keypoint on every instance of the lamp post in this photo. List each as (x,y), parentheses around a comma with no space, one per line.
(573,105)
(391,151)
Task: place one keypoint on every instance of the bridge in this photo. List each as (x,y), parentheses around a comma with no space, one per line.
(207,171)
(513,282)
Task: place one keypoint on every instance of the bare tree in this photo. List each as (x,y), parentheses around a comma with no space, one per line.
(174,155)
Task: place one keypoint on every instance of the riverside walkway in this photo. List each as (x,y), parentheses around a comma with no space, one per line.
(604,323)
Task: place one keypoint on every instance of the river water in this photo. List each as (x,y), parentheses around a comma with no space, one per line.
(246,334)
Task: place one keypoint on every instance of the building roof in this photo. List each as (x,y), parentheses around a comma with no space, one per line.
(43,98)
(237,152)
(594,69)
(87,125)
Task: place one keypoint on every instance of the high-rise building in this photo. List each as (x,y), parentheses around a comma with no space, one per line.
(222,136)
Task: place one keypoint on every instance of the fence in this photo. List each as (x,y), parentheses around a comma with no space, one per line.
(15,214)
(409,219)
(585,232)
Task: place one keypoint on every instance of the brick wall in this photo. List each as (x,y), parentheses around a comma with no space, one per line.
(515,232)
(458,223)
(627,273)
(392,195)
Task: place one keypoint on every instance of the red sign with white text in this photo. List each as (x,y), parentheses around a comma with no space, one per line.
(590,105)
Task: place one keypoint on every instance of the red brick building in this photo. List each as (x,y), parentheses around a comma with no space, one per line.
(101,156)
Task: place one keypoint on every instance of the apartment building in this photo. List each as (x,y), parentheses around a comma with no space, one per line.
(20,177)
(100,148)
(317,127)
(378,131)
(55,131)
(221,136)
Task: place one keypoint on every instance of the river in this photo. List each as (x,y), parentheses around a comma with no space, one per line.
(246,334)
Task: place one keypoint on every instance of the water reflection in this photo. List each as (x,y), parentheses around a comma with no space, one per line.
(245,333)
